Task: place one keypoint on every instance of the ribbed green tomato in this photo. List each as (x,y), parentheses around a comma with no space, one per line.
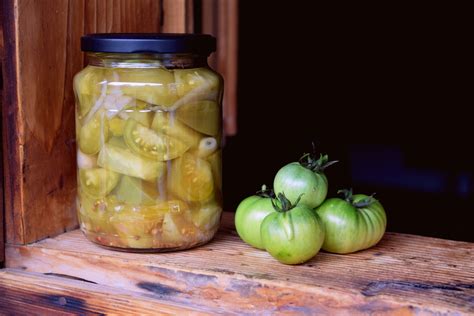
(249,217)
(294,235)
(355,223)
(304,178)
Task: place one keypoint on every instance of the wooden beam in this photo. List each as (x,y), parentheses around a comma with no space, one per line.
(228,60)
(24,293)
(403,274)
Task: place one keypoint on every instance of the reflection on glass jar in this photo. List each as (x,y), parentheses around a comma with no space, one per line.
(148,131)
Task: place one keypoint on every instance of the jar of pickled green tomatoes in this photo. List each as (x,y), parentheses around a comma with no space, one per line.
(148,128)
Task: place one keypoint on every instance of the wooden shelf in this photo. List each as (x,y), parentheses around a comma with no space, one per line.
(403,274)
(28,293)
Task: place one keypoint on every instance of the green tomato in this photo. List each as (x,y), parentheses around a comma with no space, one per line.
(93,134)
(123,161)
(355,223)
(150,144)
(188,80)
(98,182)
(136,191)
(294,235)
(167,124)
(87,88)
(203,116)
(304,179)
(190,178)
(249,217)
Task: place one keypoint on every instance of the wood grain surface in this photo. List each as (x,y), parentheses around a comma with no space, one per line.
(23,293)
(403,275)
(42,54)
(220,18)
(178,16)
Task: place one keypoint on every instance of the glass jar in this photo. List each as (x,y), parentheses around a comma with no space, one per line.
(148,129)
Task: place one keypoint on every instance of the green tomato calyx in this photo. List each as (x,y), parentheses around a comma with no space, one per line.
(282,204)
(349,198)
(311,162)
(266,192)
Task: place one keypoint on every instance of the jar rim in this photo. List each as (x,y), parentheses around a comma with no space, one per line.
(161,43)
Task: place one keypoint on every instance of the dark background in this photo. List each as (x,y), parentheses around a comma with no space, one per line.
(385,90)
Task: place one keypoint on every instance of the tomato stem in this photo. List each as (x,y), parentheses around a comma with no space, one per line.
(311,162)
(285,204)
(348,197)
(266,192)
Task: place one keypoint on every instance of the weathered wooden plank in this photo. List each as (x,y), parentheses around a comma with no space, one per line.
(403,274)
(24,293)
(42,54)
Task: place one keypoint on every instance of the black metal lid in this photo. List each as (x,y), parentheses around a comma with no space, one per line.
(161,43)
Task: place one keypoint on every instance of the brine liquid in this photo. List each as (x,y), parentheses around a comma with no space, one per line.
(149,156)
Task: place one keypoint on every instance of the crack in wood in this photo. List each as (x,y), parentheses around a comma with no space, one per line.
(456,290)
(66,276)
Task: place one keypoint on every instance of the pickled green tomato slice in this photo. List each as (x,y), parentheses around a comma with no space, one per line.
(87,88)
(137,228)
(203,116)
(166,123)
(191,178)
(151,85)
(146,142)
(197,79)
(117,142)
(178,227)
(123,161)
(116,126)
(93,134)
(164,224)
(144,117)
(95,213)
(135,191)
(139,111)
(207,216)
(98,182)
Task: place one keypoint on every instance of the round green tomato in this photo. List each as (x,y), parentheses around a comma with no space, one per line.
(350,228)
(249,216)
(294,236)
(294,180)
